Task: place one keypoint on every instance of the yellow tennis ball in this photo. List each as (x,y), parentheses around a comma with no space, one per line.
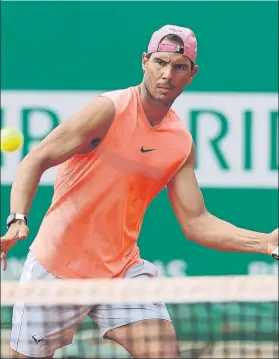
(11,139)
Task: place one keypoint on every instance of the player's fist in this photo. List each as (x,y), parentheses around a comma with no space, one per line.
(273,243)
(18,230)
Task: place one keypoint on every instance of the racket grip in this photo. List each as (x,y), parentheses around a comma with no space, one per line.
(275,254)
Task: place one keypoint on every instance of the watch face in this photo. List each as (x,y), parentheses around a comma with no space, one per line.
(10,218)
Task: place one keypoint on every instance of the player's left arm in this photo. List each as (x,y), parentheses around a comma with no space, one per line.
(204,228)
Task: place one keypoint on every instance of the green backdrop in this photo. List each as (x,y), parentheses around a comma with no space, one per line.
(98,45)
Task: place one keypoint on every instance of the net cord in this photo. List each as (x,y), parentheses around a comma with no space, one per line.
(246,288)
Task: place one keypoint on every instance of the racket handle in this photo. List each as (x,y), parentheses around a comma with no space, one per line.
(275,254)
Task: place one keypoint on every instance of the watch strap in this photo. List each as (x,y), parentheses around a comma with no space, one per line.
(13,217)
(275,254)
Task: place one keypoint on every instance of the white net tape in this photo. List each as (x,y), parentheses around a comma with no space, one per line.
(174,290)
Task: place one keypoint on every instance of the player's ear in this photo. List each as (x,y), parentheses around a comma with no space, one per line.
(144,61)
(194,71)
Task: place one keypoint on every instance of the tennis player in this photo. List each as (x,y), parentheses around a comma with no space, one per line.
(115,155)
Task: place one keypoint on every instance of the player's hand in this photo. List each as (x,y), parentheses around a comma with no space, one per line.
(273,242)
(17,231)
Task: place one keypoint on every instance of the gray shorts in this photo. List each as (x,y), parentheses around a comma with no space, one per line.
(39,332)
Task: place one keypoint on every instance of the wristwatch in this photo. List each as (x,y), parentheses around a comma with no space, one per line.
(275,254)
(13,217)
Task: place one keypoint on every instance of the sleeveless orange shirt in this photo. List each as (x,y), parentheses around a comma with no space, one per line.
(93,223)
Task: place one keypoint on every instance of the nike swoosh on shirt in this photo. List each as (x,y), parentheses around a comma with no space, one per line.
(143,150)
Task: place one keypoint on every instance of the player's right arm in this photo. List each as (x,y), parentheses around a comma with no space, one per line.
(202,227)
(72,137)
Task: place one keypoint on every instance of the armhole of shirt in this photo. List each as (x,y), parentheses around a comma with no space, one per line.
(120,100)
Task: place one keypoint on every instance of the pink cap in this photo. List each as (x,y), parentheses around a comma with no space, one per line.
(187,36)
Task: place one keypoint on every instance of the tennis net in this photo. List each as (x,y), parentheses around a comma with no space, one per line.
(214,317)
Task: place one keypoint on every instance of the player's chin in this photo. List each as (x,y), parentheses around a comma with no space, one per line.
(163,97)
